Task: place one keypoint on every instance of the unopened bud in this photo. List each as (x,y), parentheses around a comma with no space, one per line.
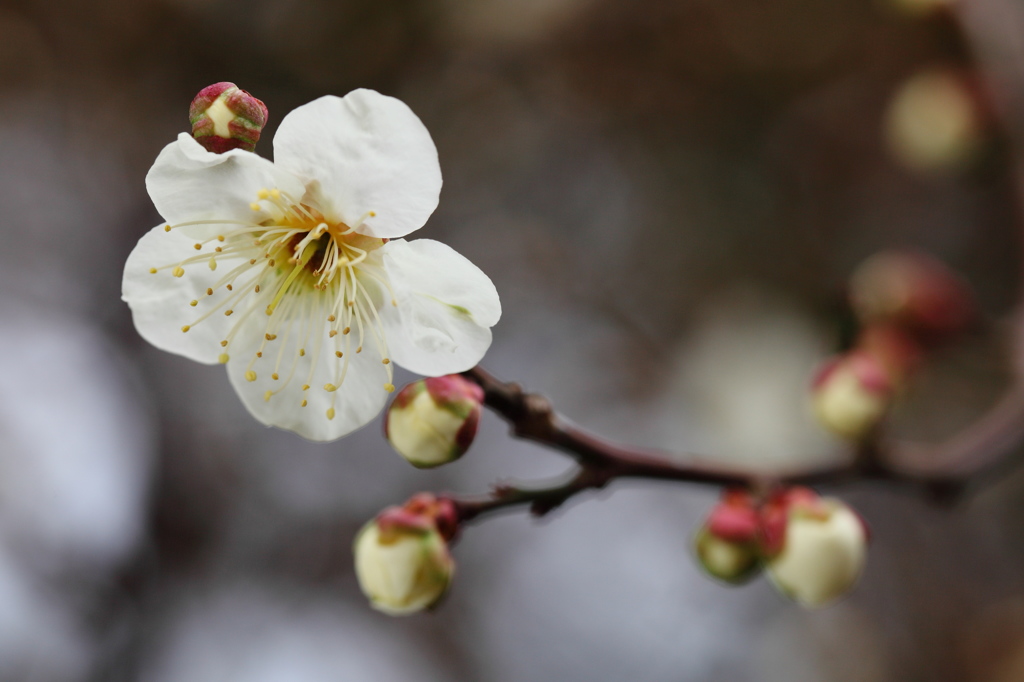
(823,551)
(224,117)
(934,122)
(727,543)
(851,394)
(434,421)
(913,290)
(894,348)
(402,558)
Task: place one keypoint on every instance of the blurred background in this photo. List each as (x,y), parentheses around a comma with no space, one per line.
(669,196)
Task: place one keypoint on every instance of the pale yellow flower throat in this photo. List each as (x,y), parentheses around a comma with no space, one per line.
(321,281)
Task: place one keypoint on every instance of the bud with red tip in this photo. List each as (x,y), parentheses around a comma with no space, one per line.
(851,394)
(727,543)
(914,291)
(224,117)
(402,558)
(434,421)
(817,546)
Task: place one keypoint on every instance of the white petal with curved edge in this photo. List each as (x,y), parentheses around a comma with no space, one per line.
(446,306)
(369,153)
(357,401)
(160,301)
(188,183)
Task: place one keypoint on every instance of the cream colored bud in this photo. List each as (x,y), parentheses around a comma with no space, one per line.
(733,562)
(822,556)
(934,122)
(402,570)
(433,421)
(851,395)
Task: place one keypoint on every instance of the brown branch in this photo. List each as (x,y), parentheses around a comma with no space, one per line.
(937,470)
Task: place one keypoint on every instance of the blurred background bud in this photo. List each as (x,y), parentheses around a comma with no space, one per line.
(224,117)
(433,421)
(898,353)
(402,560)
(851,393)
(823,550)
(726,544)
(934,122)
(912,290)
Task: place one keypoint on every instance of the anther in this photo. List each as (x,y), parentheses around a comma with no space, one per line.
(305,387)
(330,388)
(167,228)
(223,358)
(276,193)
(250,375)
(303,403)
(218,249)
(270,337)
(185,328)
(152,271)
(330,413)
(271,263)
(263,194)
(178,271)
(224,343)
(197,247)
(386,361)
(193,303)
(254,206)
(220,237)
(333,333)
(209,291)
(230,288)
(227,313)
(259,354)
(338,353)
(390,388)
(213,263)
(331,318)
(266,396)
(346,330)
(252,261)
(257,289)
(302,351)
(274,376)
(359,349)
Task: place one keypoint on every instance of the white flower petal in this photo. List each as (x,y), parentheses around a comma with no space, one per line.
(446,306)
(370,154)
(359,398)
(188,183)
(160,301)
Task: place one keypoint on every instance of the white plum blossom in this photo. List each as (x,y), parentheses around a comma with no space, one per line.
(293,273)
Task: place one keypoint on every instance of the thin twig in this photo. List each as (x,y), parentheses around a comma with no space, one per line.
(938,470)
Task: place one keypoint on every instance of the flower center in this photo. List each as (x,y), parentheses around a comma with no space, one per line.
(308,286)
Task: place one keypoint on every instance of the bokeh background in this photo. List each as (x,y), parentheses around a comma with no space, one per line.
(669,196)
